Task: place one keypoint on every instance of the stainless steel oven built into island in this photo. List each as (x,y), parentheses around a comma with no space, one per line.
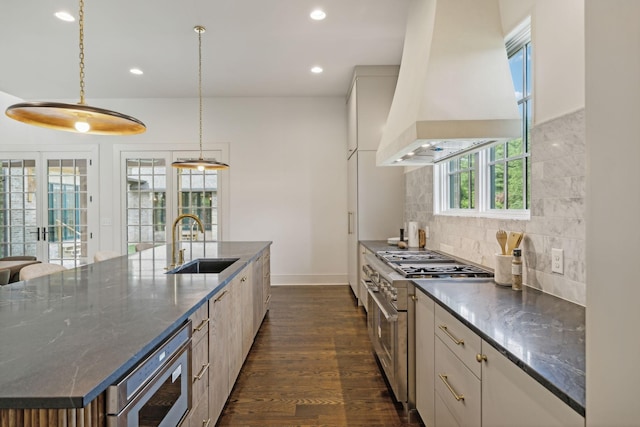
(157,392)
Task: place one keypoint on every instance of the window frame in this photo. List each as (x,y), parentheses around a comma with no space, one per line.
(519,40)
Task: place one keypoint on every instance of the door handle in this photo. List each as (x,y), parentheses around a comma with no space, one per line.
(44,233)
(37,233)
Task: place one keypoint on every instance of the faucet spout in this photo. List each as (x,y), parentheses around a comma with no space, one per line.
(174,237)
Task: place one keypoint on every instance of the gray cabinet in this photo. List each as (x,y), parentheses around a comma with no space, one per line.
(461,380)
(375,194)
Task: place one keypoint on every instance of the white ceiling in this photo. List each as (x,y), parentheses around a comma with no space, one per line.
(250,48)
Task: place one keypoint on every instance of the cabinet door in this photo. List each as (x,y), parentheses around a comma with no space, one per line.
(511,398)
(246,303)
(352,224)
(219,333)
(380,199)
(266,279)
(352,120)
(425,359)
(235,330)
(375,94)
(258,302)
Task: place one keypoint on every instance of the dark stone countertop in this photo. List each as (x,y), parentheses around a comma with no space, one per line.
(542,334)
(64,338)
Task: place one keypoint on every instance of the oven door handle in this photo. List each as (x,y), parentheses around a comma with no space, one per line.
(389,312)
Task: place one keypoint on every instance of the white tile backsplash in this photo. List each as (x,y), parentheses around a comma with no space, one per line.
(557,212)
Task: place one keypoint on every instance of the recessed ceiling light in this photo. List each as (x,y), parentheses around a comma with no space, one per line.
(316,70)
(64,16)
(318,15)
(136,71)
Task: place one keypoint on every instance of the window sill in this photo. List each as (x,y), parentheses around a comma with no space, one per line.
(520,215)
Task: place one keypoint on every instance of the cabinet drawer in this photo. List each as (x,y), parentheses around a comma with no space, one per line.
(200,369)
(460,339)
(199,416)
(199,323)
(443,416)
(458,387)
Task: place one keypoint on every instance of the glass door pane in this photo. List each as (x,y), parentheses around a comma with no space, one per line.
(146,202)
(18,202)
(67,227)
(198,194)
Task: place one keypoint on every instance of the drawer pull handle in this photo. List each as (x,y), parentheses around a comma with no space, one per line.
(205,423)
(201,325)
(203,370)
(481,357)
(454,339)
(458,397)
(220,297)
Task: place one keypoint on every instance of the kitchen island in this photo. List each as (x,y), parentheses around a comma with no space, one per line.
(64,338)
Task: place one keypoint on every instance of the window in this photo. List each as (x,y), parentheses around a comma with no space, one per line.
(462,178)
(495,181)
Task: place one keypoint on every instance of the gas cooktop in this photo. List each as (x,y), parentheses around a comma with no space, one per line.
(413,256)
(430,264)
(437,270)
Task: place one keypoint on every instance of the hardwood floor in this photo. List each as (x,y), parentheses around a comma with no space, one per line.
(312,365)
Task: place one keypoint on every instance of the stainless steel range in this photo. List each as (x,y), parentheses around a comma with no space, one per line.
(387,277)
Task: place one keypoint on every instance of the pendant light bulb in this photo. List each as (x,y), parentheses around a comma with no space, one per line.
(200,164)
(63,116)
(82,126)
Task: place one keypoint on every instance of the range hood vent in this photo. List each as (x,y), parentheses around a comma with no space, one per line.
(454,90)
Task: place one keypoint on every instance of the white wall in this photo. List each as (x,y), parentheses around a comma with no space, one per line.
(287,176)
(613,203)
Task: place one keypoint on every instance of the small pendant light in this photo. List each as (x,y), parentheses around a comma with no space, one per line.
(76,117)
(200,163)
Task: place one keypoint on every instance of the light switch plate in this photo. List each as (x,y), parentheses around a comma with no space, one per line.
(557,261)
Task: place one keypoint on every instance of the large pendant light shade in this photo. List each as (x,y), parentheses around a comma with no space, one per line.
(78,117)
(200,163)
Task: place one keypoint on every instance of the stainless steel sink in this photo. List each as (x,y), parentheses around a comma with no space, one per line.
(204,265)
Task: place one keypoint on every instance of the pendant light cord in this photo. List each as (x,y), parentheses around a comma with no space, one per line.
(200,30)
(81,22)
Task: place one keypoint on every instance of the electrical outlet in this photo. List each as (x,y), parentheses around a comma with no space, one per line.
(557,261)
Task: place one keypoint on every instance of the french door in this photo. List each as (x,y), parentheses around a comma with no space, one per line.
(46,206)
(156,193)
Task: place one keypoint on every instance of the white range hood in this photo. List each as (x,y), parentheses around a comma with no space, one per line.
(454,89)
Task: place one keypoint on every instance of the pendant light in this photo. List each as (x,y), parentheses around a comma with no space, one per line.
(76,117)
(200,163)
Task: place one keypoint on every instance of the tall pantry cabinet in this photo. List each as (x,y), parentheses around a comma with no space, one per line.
(375,194)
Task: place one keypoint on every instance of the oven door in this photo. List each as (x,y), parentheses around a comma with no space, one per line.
(382,323)
(164,401)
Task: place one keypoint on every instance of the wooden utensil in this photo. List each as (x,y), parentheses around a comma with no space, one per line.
(519,240)
(501,236)
(513,240)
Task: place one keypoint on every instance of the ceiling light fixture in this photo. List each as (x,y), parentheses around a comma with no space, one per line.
(316,70)
(200,164)
(64,16)
(318,15)
(136,71)
(78,117)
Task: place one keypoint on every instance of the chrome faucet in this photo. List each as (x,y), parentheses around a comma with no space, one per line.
(173,235)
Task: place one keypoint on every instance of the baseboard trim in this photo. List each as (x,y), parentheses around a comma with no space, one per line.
(310,279)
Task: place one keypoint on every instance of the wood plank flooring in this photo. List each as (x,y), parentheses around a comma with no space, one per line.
(312,365)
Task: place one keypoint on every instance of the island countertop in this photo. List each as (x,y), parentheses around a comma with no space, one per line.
(64,338)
